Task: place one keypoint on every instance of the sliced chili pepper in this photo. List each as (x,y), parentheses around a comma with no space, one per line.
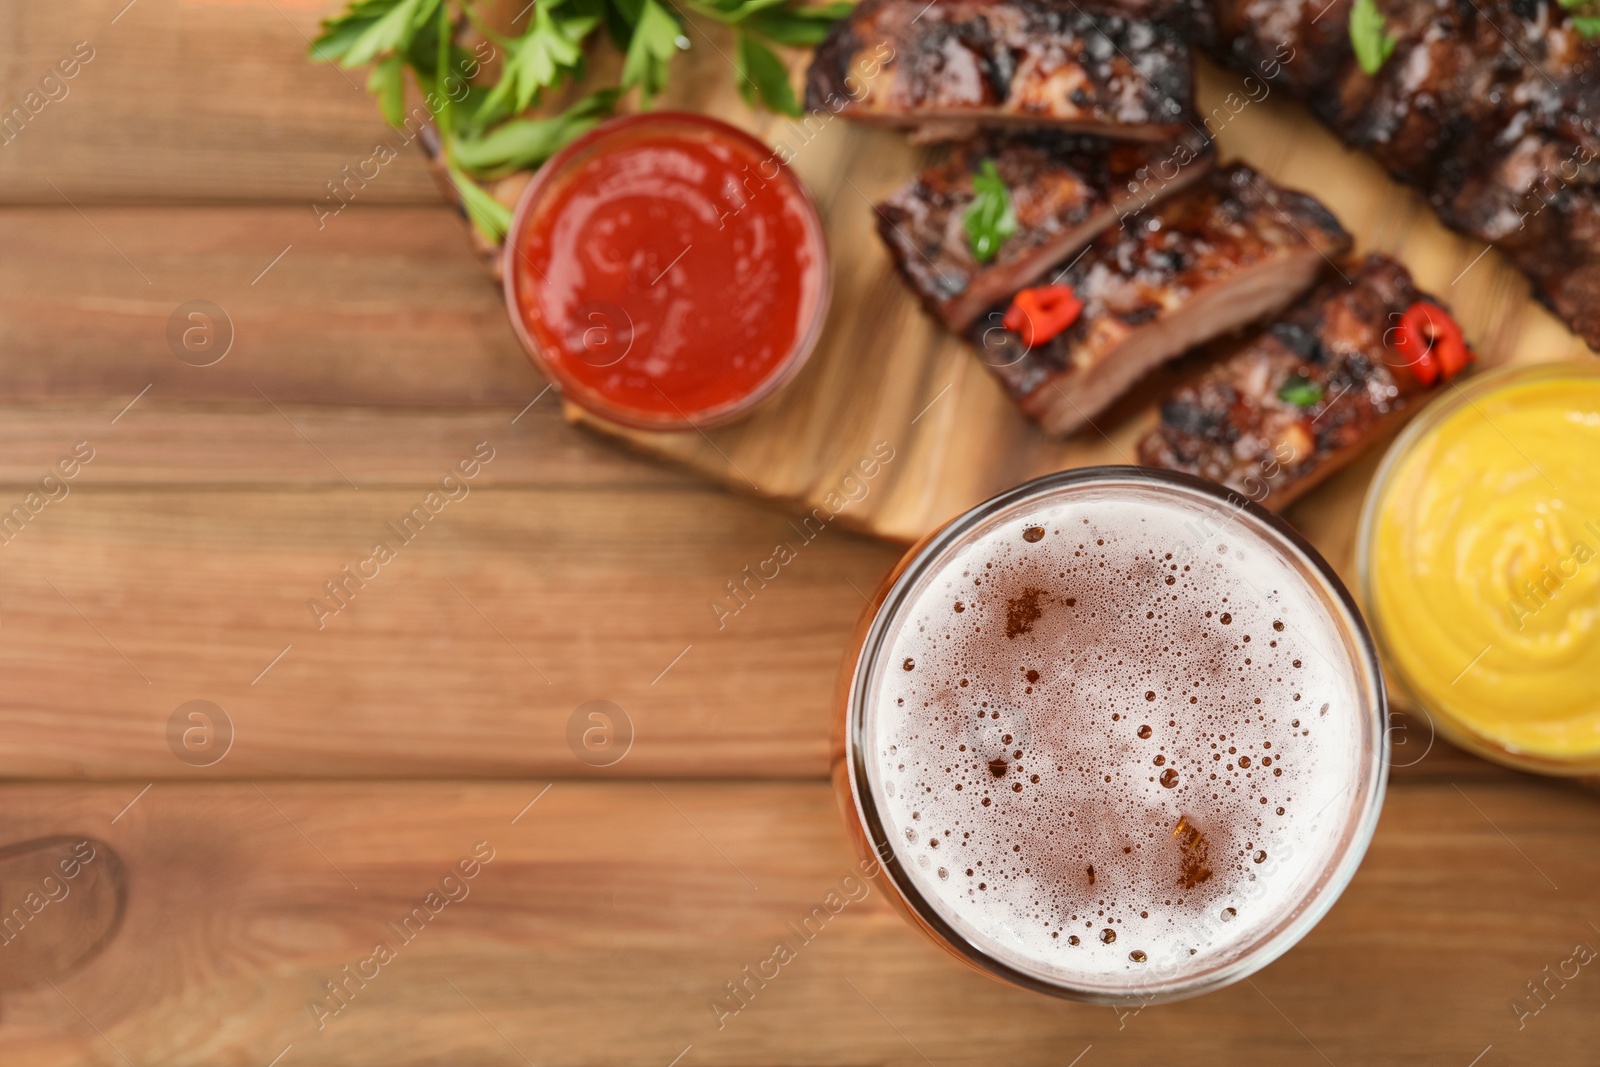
(1040,313)
(1432,343)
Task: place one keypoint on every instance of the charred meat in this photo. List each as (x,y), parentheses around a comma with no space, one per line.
(1492,107)
(945,69)
(1062,191)
(1230,249)
(1304,396)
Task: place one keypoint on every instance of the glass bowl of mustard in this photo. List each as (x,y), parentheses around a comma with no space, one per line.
(1478,563)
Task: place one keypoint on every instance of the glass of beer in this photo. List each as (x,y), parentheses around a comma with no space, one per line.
(1116,735)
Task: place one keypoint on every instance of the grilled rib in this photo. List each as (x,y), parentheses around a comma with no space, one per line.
(1492,107)
(944,69)
(1065,191)
(1229,250)
(1232,426)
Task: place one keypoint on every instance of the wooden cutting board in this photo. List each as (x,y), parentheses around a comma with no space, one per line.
(884,376)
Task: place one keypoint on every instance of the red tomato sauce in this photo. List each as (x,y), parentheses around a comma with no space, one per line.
(667,270)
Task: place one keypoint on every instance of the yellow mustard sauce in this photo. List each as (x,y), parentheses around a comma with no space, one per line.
(1482,566)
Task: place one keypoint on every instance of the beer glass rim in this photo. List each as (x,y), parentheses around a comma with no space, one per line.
(1372,758)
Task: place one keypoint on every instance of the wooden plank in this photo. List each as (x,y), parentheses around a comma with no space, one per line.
(259,120)
(611,917)
(266,443)
(465,654)
(383,306)
(188,102)
(195,539)
(614,912)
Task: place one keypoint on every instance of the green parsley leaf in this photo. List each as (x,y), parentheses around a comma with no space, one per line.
(797,27)
(1369,36)
(421,54)
(990,218)
(540,58)
(525,143)
(485,131)
(388,83)
(652,46)
(490,216)
(340,34)
(441,68)
(1300,391)
(731,11)
(620,15)
(762,73)
(371,28)
(1588,26)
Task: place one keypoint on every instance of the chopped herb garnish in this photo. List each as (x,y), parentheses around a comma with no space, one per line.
(1369,36)
(485,129)
(1300,391)
(989,219)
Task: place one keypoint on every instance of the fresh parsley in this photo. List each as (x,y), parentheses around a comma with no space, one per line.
(524,143)
(990,218)
(1300,391)
(486,129)
(655,40)
(539,59)
(797,27)
(1369,36)
(762,76)
(1587,25)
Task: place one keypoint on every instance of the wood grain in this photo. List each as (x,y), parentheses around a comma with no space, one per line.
(185,554)
(370,358)
(466,654)
(266,443)
(383,305)
(187,101)
(611,916)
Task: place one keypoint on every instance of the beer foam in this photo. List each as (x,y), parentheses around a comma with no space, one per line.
(1116,740)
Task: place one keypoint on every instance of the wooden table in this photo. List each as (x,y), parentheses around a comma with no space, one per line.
(426,723)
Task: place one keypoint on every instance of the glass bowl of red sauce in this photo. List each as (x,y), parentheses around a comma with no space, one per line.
(667,271)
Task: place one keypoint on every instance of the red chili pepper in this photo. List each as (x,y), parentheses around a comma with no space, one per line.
(1040,313)
(1432,343)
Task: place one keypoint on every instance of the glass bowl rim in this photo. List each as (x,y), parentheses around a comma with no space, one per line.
(546,178)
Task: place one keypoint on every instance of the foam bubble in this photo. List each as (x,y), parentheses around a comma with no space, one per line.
(1121,738)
